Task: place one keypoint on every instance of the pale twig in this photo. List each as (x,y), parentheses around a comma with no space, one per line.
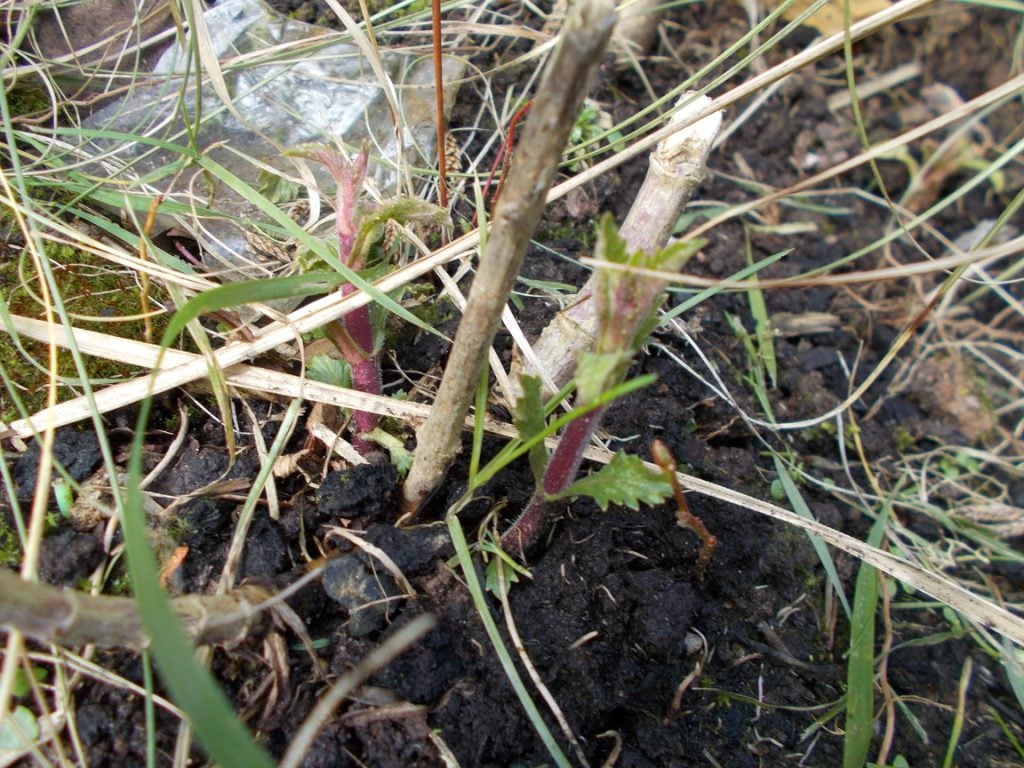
(675,169)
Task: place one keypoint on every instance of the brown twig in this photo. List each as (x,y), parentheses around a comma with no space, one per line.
(71,618)
(567,78)
(503,159)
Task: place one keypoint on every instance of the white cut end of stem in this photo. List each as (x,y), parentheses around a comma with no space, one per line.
(689,146)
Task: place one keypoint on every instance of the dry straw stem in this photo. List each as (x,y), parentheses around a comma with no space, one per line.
(70,618)
(333,306)
(567,79)
(675,169)
(975,607)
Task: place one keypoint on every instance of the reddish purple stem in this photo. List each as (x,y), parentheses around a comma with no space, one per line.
(353,334)
(365,368)
(561,471)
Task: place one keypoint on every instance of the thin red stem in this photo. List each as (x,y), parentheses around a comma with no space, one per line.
(504,157)
(684,517)
(353,336)
(442,160)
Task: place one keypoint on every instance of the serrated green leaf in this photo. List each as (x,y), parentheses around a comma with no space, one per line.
(625,481)
(673,257)
(626,302)
(412,210)
(610,245)
(529,421)
(403,211)
(492,583)
(327,370)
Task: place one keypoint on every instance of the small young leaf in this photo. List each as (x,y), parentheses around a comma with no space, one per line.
(674,256)
(412,210)
(327,370)
(401,210)
(20,729)
(513,570)
(610,245)
(401,457)
(598,372)
(276,188)
(626,481)
(529,421)
(21,684)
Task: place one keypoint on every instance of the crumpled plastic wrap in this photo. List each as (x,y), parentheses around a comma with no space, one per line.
(291,83)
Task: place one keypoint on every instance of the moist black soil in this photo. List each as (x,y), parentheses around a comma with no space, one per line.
(650,665)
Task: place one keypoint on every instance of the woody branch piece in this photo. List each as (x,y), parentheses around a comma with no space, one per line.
(71,618)
(675,169)
(566,80)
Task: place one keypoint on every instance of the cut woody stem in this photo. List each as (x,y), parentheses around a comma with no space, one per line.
(675,169)
(71,618)
(567,78)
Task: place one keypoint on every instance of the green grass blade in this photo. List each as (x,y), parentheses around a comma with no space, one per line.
(713,290)
(1014,672)
(860,668)
(150,710)
(796,501)
(246,292)
(517,448)
(1007,732)
(763,325)
(190,684)
(222,735)
(479,415)
(958,719)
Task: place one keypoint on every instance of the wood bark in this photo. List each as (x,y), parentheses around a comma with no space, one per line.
(71,618)
(567,79)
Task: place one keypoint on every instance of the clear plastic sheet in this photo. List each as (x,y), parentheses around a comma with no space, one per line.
(291,83)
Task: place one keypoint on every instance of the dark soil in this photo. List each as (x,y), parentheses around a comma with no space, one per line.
(650,666)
